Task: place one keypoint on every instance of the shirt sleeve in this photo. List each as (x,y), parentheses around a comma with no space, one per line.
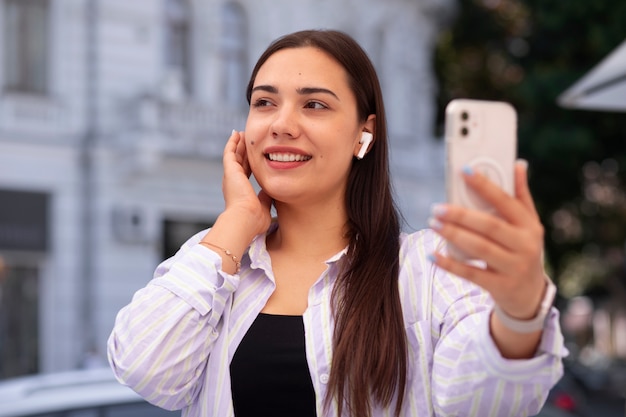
(161,340)
(470,377)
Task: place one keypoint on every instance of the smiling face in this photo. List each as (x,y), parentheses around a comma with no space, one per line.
(303,130)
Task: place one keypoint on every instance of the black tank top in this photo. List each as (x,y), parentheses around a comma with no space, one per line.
(269,371)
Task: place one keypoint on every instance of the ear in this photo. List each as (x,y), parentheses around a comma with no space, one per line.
(361,148)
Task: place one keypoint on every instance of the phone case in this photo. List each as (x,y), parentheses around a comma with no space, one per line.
(483,135)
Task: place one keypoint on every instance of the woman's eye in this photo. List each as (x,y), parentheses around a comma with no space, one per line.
(261,103)
(315,105)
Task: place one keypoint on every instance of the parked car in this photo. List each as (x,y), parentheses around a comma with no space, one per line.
(80,393)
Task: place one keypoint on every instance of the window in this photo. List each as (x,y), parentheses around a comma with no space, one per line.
(23,228)
(178,42)
(25,45)
(233,55)
(19,321)
(176,232)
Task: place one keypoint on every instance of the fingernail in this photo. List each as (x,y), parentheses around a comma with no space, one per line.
(434,224)
(438,209)
(522,162)
(468,170)
(233,132)
(432,258)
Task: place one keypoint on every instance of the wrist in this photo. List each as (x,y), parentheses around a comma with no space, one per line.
(244,222)
(535,323)
(228,254)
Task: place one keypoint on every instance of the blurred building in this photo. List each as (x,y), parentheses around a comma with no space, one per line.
(113,116)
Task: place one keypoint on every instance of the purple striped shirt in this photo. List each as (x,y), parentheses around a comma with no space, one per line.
(174,342)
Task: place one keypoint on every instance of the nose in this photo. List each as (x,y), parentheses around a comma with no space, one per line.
(286,123)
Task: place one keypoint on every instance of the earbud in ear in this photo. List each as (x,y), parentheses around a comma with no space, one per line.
(366,139)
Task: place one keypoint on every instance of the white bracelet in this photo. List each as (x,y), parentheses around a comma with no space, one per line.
(535,324)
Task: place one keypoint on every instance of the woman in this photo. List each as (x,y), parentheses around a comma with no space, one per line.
(330,310)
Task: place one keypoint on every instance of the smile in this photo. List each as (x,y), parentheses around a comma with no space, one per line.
(287,157)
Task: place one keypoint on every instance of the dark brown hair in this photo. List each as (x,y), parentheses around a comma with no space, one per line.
(369,342)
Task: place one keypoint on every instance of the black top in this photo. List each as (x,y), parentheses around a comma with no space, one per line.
(269,371)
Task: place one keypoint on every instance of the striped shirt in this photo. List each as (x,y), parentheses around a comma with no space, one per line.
(174,342)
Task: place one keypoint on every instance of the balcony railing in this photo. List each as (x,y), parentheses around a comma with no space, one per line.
(186,128)
(33,115)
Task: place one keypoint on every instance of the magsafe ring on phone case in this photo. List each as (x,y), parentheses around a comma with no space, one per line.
(490,169)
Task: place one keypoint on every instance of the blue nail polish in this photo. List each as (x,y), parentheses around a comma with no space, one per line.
(438,209)
(468,170)
(434,224)
(431,258)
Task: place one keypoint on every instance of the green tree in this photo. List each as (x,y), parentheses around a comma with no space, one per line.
(528,52)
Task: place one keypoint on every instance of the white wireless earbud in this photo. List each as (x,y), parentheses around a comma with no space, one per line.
(366,139)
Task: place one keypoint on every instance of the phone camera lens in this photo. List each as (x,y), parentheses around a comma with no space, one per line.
(464,115)
(464,131)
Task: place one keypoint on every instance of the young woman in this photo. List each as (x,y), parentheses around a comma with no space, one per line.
(330,310)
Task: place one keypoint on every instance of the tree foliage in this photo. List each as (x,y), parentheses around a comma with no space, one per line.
(528,52)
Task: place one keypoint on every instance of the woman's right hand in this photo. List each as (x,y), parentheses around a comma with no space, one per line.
(246,214)
(239,195)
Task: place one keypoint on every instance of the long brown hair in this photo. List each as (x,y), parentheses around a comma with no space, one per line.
(369,341)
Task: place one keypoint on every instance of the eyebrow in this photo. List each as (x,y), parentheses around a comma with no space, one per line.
(301,91)
(267,88)
(313,90)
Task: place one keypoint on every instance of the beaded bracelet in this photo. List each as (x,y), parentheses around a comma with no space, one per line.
(227,252)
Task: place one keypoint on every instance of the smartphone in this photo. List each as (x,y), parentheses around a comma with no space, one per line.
(483,135)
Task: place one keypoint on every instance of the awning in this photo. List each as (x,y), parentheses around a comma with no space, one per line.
(602,88)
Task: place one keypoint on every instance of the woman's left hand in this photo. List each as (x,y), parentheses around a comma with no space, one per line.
(510,243)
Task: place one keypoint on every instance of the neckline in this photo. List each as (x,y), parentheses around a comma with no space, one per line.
(271,315)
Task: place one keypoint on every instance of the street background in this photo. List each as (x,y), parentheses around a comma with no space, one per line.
(113,115)
(529,53)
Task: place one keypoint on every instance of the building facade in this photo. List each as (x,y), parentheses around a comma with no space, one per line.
(113,116)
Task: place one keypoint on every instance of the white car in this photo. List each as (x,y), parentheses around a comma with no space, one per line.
(81,393)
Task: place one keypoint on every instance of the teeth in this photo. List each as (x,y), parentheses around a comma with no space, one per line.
(287,157)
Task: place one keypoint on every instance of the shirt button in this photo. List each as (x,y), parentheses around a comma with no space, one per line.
(324,378)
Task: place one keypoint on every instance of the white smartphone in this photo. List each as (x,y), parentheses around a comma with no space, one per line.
(482,135)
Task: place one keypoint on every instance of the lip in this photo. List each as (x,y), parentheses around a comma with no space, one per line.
(292,157)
